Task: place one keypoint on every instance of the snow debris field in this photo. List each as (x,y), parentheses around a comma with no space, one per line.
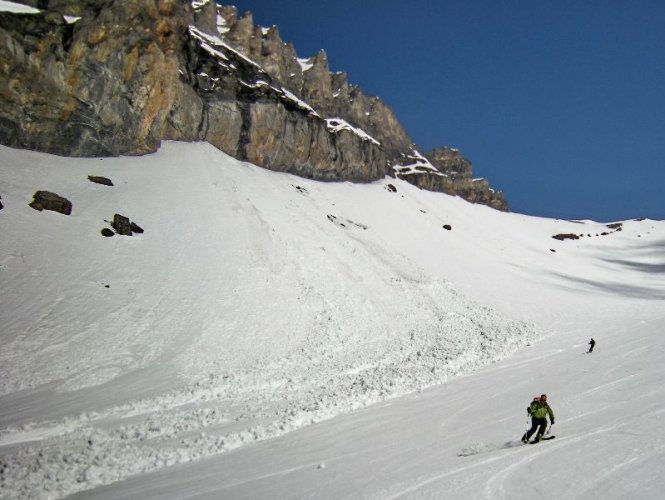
(269,336)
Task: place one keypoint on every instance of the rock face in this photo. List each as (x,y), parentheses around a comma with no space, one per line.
(458,169)
(126,74)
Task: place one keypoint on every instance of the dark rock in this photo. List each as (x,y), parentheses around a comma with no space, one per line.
(45,200)
(135,228)
(100,180)
(568,236)
(447,227)
(121,225)
(107,232)
(391,188)
(1,205)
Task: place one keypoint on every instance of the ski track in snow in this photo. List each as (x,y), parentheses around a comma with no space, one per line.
(261,303)
(335,362)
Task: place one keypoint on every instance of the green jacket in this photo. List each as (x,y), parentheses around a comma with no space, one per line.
(538,409)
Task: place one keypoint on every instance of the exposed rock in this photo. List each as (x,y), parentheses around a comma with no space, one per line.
(450,162)
(46,200)
(104,85)
(121,225)
(127,74)
(243,107)
(446,170)
(100,180)
(107,232)
(1,205)
(447,227)
(567,236)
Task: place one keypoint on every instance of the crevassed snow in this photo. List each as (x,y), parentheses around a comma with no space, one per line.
(335,125)
(258,303)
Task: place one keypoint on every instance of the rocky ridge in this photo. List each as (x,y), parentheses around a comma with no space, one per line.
(109,77)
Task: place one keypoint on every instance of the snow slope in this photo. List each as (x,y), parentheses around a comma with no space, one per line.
(257,303)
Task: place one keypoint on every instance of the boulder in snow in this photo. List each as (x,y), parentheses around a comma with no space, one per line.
(45,200)
(122,225)
(567,236)
(100,180)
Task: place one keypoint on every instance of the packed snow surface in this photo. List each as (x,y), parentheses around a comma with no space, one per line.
(269,336)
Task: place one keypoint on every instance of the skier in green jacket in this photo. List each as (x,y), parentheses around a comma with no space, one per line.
(538,409)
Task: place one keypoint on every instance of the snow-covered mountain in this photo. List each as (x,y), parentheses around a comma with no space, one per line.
(411,327)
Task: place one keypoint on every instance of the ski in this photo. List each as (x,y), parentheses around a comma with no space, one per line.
(547,438)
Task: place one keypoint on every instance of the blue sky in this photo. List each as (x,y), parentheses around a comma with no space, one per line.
(559,104)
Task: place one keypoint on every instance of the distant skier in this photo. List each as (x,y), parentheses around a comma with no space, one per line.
(538,409)
(592,343)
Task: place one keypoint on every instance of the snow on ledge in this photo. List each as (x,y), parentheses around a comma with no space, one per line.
(17,8)
(305,64)
(284,94)
(198,4)
(299,102)
(222,27)
(421,165)
(337,124)
(209,42)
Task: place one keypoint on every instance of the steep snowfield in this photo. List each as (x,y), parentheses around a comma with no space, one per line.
(258,303)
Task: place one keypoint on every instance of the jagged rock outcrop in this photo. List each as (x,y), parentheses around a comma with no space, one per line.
(446,170)
(124,75)
(102,85)
(450,161)
(311,80)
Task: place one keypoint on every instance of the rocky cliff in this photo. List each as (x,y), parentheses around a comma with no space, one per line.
(109,77)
